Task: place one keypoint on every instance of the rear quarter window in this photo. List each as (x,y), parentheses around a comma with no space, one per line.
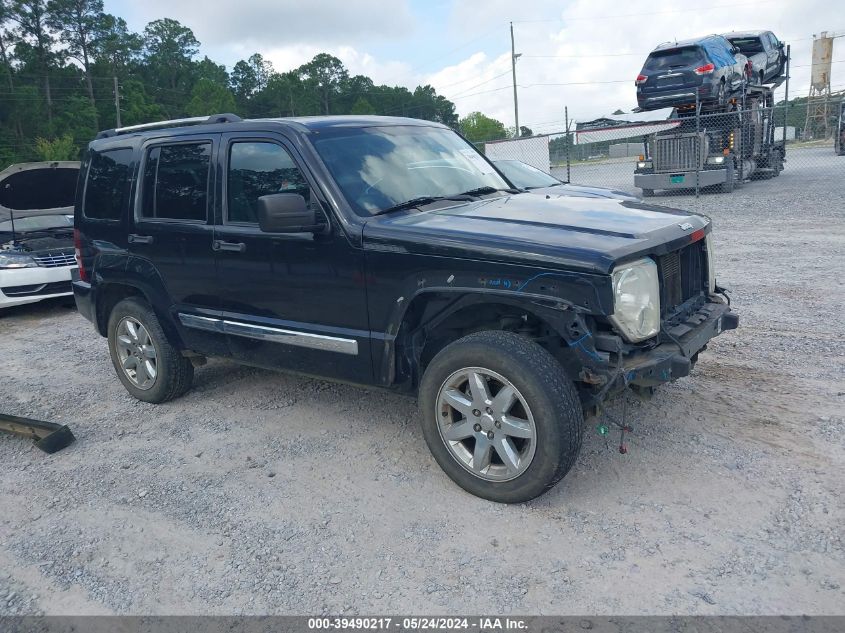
(175,182)
(107,186)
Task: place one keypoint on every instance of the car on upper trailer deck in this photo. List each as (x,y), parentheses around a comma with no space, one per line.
(674,73)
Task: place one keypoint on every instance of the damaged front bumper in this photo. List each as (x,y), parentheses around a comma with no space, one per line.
(613,367)
(676,358)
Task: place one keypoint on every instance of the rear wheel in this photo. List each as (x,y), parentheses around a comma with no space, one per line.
(500,416)
(147,364)
(648,193)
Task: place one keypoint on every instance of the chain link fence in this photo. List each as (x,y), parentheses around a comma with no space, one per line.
(692,152)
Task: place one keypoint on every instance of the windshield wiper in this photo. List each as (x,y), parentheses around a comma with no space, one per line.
(410,204)
(481,191)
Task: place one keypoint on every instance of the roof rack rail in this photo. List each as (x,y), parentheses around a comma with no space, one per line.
(160,125)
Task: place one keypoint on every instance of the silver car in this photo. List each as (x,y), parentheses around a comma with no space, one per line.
(529,178)
(765,52)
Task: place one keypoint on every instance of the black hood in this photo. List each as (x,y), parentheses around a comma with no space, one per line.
(589,234)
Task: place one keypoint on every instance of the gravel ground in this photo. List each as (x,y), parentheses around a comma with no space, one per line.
(262,493)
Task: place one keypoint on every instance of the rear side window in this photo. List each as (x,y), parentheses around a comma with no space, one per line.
(175,185)
(107,190)
(675,58)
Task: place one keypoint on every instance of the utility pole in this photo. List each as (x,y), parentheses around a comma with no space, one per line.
(514,57)
(116,101)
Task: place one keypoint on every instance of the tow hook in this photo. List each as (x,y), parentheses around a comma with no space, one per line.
(47,436)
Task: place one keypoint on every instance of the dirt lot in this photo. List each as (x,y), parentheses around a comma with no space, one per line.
(264,493)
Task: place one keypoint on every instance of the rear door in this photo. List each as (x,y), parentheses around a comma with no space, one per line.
(172,233)
(292,301)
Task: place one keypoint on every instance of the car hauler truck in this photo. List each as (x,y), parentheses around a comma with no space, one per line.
(721,147)
(839,142)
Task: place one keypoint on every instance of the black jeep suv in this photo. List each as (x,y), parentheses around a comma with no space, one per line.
(389,252)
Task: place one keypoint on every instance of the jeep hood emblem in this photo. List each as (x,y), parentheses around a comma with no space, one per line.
(686,226)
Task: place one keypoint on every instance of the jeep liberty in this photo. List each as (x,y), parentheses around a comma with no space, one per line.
(389,252)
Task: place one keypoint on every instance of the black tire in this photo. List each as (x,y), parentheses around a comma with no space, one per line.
(551,396)
(174,372)
(648,193)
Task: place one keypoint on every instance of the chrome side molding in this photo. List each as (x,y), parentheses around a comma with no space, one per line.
(272,334)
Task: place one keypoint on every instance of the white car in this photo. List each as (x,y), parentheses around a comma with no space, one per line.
(36,231)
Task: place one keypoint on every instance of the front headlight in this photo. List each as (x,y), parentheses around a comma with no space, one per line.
(11,259)
(643,164)
(711,263)
(716,160)
(636,300)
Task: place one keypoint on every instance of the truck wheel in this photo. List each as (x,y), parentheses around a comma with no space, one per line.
(147,364)
(500,416)
(648,193)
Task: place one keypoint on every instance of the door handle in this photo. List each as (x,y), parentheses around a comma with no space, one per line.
(220,245)
(140,239)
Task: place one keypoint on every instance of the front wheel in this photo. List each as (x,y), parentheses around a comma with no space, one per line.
(500,416)
(148,365)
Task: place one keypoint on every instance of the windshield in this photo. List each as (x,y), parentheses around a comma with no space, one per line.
(675,58)
(525,176)
(38,223)
(379,167)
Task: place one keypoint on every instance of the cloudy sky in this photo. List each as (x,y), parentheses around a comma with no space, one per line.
(583,54)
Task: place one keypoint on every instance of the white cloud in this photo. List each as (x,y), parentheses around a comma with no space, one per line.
(255,24)
(356,62)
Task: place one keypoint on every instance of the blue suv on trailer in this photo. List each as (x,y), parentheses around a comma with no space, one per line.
(389,252)
(674,72)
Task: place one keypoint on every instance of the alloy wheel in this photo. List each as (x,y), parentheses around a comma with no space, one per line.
(486,424)
(136,352)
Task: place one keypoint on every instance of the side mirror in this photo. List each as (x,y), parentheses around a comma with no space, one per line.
(286,213)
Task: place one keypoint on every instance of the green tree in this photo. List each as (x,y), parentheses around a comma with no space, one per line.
(427,104)
(243,80)
(168,63)
(325,74)
(31,19)
(61,148)
(477,128)
(118,46)
(137,106)
(214,72)
(78,23)
(362,106)
(209,97)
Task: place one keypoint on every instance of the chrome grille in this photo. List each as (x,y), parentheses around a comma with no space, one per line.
(683,152)
(55,259)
